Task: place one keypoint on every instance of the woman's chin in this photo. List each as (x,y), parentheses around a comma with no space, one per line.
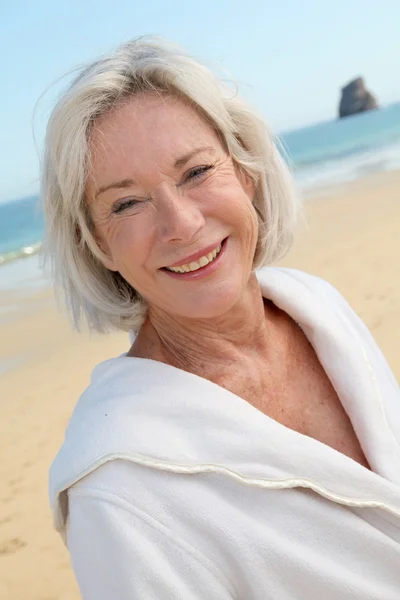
(212,304)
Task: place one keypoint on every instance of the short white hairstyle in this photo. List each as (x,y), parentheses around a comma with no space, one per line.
(90,290)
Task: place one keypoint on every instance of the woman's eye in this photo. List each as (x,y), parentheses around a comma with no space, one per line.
(198,172)
(123,205)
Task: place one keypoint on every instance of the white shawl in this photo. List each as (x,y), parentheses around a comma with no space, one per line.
(153,415)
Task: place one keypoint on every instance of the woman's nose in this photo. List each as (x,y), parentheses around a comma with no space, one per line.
(178,218)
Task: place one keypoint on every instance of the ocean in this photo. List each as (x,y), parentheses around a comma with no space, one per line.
(346,149)
(320,155)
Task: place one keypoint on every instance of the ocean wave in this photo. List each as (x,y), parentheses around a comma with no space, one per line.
(22,252)
(330,172)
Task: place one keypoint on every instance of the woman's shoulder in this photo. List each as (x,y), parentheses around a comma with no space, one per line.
(128,412)
(305,290)
(290,277)
(318,306)
(299,290)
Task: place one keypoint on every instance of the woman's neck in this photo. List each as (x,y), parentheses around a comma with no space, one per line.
(206,345)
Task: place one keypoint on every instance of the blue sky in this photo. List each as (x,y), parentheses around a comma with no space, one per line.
(290,58)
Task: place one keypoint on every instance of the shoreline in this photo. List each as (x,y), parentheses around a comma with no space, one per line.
(373,179)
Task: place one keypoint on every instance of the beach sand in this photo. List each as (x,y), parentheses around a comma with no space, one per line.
(353,241)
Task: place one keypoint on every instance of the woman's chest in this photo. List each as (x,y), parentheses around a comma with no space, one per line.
(297,393)
(307,403)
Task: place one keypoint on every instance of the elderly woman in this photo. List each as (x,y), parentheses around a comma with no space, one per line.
(246,446)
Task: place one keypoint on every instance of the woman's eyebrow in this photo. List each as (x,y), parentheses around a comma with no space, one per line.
(124,183)
(180,162)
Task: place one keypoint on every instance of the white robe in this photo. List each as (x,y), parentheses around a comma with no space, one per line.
(168,486)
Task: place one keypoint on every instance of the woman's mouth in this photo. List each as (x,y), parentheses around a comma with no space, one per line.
(201,262)
(202,265)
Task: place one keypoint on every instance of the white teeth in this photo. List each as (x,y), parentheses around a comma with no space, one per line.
(203,261)
(195,265)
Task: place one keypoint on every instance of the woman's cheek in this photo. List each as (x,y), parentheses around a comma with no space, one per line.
(130,238)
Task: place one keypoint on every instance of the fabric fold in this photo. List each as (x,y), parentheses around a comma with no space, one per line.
(156,415)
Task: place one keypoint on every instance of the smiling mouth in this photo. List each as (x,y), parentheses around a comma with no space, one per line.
(201,262)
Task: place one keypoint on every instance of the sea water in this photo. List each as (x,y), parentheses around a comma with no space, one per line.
(345,149)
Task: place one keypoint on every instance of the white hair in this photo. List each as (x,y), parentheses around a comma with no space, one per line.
(145,64)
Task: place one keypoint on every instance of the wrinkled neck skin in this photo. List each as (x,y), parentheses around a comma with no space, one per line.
(210,345)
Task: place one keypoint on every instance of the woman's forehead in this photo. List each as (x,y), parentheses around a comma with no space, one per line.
(147,132)
(150,122)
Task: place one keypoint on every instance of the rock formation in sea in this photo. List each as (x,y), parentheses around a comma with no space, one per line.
(356,98)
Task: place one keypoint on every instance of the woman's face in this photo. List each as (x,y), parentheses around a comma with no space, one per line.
(171,212)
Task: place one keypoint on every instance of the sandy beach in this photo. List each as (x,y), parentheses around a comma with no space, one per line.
(352,240)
